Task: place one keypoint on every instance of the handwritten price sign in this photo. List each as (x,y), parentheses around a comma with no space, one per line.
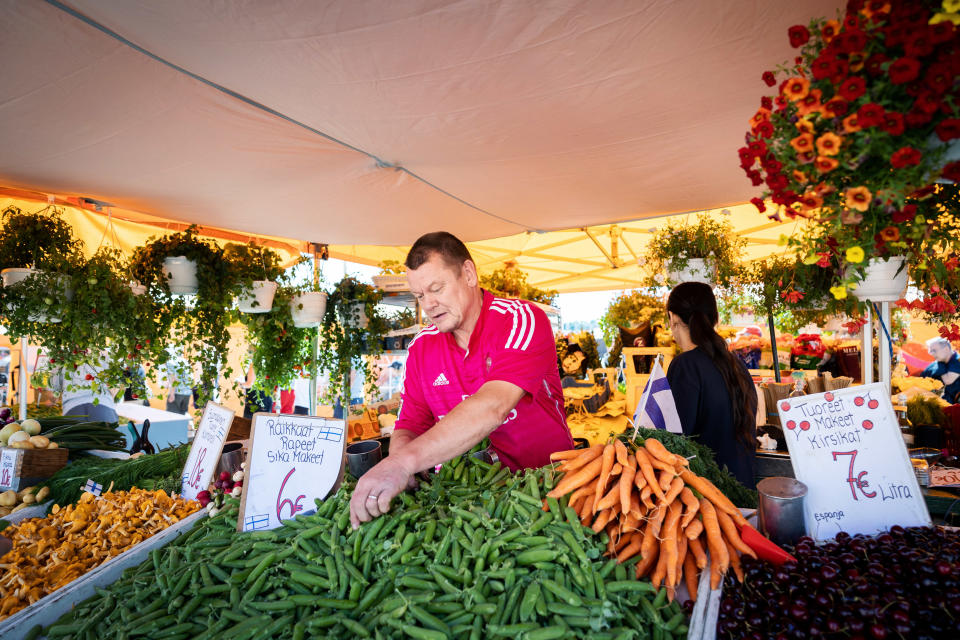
(944,477)
(293,461)
(8,467)
(205,452)
(846,446)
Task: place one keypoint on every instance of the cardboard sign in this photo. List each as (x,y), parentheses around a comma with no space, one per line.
(205,452)
(846,446)
(8,468)
(293,460)
(944,477)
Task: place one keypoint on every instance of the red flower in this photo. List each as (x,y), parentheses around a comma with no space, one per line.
(896,34)
(951,172)
(793,297)
(907,214)
(823,67)
(755,177)
(905,157)
(893,123)
(918,118)
(777,181)
(759,204)
(852,40)
(824,260)
(829,30)
(851,21)
(939,77)
(919,45)
(88,377)
(799,35)
(758,148)
(904,70)
(765,129)
(852,88)
(870,115)
(927,102)
(767,103)
(951,264)
(746,157)
(836,107)
(940,32)
(873,64)
(769,78)
(948,129)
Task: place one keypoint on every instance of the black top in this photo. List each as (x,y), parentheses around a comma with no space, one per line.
(705,410)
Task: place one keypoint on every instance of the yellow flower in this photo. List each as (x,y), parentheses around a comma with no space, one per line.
(839,292)
(951,6)
(855,255)
(811,259)
(945,17)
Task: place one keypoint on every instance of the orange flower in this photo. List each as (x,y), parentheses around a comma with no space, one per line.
(850,124)
(890,234)
(802,143)
(796,88)
(800,177)
(810,200)
(830,30)
(825,164)
(805,126)
(857,60)
(762,115)
(810,103)
(829,144)
(869,11)
(823,189)
(807,157)
(858,198)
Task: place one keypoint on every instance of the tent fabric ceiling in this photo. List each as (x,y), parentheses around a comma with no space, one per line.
(374,121)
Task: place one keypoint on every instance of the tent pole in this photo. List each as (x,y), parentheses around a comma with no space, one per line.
(886,364)
(773,346)
(23,380)
(314,342)
(866,354)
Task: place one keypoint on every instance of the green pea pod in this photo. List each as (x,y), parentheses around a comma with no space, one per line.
(529,602)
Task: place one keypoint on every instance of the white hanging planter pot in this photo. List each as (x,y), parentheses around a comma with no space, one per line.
(16,276)
(697,270)
(356,315)
(137,288)
(181,275)
(308,308)
(259,298)
(63,290)
(885,280)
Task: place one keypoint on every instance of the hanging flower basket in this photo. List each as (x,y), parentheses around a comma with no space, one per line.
(885,280)
(181,275)
(308,309)
(355,315)
(697,270)
(13,277)
(258,298)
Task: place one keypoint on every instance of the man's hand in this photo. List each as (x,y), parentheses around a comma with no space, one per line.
(375,490)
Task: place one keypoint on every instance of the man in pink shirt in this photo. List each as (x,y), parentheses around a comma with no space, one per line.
(486,367)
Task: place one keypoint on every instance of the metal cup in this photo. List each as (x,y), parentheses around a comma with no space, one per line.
(362,456)
(781,509)
(230,459)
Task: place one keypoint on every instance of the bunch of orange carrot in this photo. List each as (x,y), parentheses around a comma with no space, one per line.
(650,503)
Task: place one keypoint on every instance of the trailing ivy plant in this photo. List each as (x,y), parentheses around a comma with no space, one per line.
(279,351)
(251,263)
(344,343)
(673,246)
(629,309)
(198,323)
(39,240)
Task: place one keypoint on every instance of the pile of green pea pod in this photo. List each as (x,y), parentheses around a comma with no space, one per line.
(471,554)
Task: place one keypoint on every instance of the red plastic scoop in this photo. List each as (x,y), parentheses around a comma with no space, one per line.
(764,548)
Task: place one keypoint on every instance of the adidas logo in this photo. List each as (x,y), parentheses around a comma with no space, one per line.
(441,381)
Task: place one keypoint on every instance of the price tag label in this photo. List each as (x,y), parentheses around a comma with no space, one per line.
(8,467)
(846,446)
(205,452)
(944,477)
(293,461)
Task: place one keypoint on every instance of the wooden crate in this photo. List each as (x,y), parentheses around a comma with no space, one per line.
(239,429)
(21,468)
(635,380)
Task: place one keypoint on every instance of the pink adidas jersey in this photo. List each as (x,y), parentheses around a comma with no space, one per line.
(513,342)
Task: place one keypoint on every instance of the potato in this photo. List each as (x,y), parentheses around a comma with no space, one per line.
(53,445)
(5,511)
(8,431)
(8,498)
(22,505)
(31,426)
(29,499)
(25,491)
(40,442)
(17,436)
(43,493)
(22,444)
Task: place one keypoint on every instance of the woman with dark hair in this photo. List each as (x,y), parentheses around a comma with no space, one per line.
(715,396)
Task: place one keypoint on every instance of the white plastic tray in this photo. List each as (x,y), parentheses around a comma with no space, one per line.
(47,610)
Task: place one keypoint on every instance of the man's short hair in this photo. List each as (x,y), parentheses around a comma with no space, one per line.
(446,245)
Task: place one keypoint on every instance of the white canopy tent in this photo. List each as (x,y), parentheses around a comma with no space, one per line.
(374,121)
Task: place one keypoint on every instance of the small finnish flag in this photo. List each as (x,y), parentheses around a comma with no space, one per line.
(93,487)
(657,408)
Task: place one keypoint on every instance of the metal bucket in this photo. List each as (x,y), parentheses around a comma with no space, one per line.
(780,515)
(230,459)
